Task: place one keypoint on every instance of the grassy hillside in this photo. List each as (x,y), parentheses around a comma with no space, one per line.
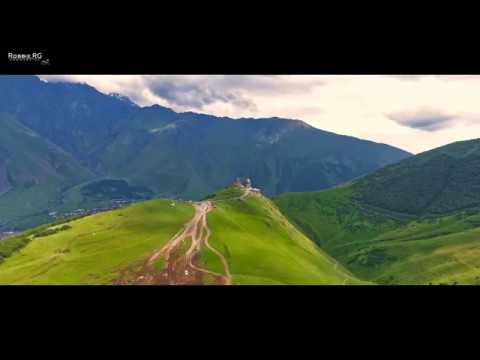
(413,222)
(388,247)
(260,245)
(96,248)
(436,182)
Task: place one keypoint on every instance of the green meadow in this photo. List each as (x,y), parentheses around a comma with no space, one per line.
(97,247)
(263,247)
(259,243)
(387,248)
(326,237)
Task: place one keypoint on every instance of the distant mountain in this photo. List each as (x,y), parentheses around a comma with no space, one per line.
(76,117)
(154,151)
(413,222)
(190,155)
(33,172)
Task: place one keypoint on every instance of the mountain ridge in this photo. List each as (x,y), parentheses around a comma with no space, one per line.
(413,222)
(173,154)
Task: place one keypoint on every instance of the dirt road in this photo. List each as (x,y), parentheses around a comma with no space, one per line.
(179,258)
(178,261)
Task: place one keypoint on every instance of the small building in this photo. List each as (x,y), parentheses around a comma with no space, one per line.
(237,183)
(247,185)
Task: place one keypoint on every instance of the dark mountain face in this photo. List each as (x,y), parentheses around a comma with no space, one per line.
(191,155)
(165,153)
(438,181)
(75,117)
(33,174)
(27,158)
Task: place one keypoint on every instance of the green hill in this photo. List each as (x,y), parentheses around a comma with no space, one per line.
(264,247)
(94,249)
(415,222)
(258,243)
(438,181)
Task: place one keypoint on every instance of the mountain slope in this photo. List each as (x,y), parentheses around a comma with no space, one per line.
(75,117)
(93,249)
(385,227)
(161,153)
(33,173)
(261,247)
(191,155)
(438,181)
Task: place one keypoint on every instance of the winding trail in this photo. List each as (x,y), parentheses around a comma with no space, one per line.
(183,266)
(202,239)
(178,261)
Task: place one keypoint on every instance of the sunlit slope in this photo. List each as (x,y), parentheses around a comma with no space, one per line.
(388,247)
(262,247)
(96,248)
(413,222)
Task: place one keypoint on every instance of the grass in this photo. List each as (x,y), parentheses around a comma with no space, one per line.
(376,246)
(10,245)
(332,218)
(96,247)
(262,247)
(259,243)
(441,250)
(437,182)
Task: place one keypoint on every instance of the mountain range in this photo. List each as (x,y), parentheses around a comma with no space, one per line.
(331,209)
(68,146)
(362,231)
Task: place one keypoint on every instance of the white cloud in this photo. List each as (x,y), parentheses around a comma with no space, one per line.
(415,113)
(424,119)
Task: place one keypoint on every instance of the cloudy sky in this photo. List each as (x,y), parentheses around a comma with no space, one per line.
(415,113)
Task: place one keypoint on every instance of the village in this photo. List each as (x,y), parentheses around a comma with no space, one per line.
(6,234)
(115,204)
(119,203)
(57,215)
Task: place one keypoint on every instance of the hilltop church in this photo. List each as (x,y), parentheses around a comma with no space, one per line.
(248,185)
